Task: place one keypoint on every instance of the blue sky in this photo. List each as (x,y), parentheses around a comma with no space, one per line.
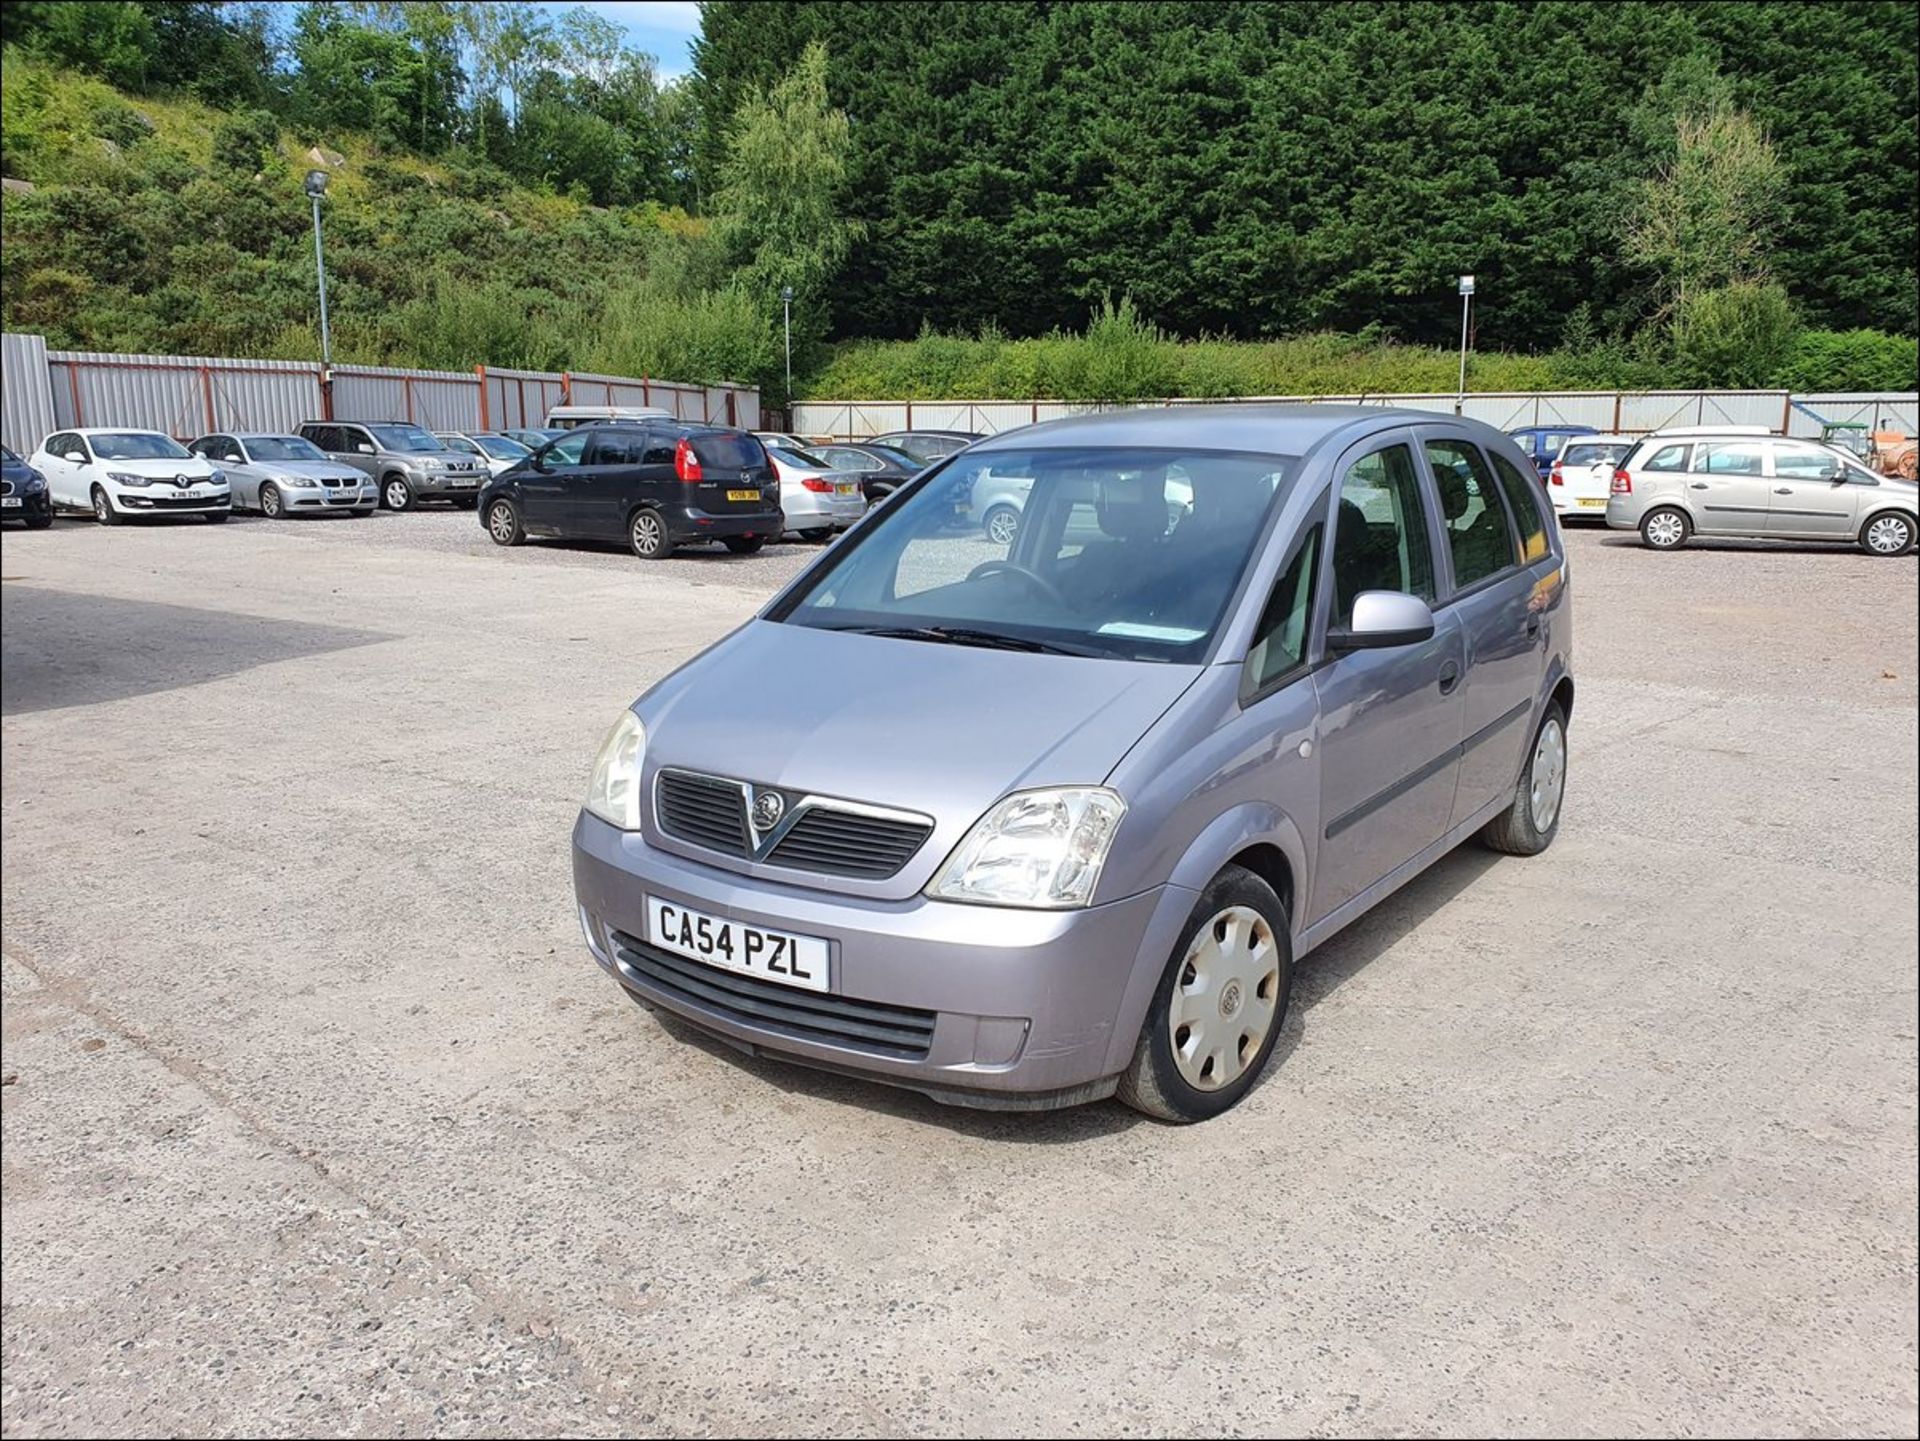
(665,29)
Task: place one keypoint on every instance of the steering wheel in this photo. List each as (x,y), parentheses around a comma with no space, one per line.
(1032,577)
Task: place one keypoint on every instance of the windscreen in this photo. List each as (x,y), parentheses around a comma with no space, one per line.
(730,449)
(407,439)
(283,447)
(136,445)
(1128,553)
(502,447)
(1592,454)
(10,455)
(804,458)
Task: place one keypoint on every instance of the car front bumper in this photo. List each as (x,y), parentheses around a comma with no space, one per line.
(1023,1009)
(26,505)
(360,497)
(156,501)
(435,484)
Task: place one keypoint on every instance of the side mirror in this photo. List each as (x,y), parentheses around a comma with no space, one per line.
(363,448)
(232,459)
(1834,473)
(1383,619)
(78,457)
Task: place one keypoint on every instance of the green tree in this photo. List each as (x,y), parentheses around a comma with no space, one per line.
(115,41)
(1741,334)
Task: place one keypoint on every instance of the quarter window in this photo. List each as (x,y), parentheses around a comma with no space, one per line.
(1380,538)
(1668,457)
(1476,518)
(1280,644)
(660,447)
(1525,507)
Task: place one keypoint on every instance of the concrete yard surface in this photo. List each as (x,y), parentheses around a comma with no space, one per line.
(320,1119)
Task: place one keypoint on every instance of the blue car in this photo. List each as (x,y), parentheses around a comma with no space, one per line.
(1542,442)
(23,493)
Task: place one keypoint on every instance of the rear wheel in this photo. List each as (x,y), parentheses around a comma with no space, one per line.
(817,536)
(1528,826)
(648,532)
(744,544)
(1889,533)
(1220,1004)
(103,510)
(1665,528)
(270,504)
(395,493)
(1002,524)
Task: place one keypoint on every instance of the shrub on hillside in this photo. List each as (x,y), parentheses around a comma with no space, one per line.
(1853,360)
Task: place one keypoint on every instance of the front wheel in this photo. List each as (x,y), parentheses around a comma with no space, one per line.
(270,503)
(1890,534)
(39,522)
(103,510)
(217,517)
(649,535)
(744,544)
(1528,826)
(396,494)
(1665,528)
(1219,1007)
(817,537)
(503,523)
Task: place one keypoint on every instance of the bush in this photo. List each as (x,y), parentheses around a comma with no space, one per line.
(646,329)
(1853,360)
(1739,335)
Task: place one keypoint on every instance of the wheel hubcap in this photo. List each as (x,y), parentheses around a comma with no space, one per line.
(1664,530)
(1002,529)
(100,506)
(646,532)
(1888,536)
(502,524)
(397,496)
(1548,776)
(270,501)
(1224,999)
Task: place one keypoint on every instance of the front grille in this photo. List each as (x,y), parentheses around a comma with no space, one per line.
(186,502)
(843,843)
(711,811)
(902,1032)
(6,487)
(706,811)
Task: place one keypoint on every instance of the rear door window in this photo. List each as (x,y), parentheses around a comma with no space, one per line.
(616,447)
(1730,457)
(1471,508)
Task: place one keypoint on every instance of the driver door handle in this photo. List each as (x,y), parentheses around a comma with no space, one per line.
(1782,490)
(1700,485)
(1449,677)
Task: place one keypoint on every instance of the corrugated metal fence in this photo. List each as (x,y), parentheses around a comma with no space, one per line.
(1610,410)
(188,396)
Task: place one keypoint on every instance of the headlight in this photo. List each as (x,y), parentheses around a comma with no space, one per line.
(614,792)
(217,477)
(120,477)
(34,481)
(299,482)
(1036,848)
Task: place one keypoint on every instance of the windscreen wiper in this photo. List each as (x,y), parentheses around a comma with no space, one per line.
(965,635)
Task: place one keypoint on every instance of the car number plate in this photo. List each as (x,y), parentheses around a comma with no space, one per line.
(846,489)
(787,960)
(9,500)
(1593,502)
(743,495)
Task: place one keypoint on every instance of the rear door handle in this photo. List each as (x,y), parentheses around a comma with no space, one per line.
(1782,490)
(1449,678)
(1700,485)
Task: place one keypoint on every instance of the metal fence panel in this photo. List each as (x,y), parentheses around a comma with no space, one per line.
(1875,409)
(518,399)
(437,399)
(26,393)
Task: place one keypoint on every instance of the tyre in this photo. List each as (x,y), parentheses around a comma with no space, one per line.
(744,544)
(1219,1007)
(503,523)
(1002,525)
(361,514)
(1528,826)
(466,502)
(395,493)
(1889,533)
(40,522)
(270,504)
(818,537)
(1665,528)
(103,510)
(648,532)
(217,517)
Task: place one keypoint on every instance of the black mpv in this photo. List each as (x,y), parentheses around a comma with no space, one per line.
(655,484)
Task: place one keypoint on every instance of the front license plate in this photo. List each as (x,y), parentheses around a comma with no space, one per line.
(1594,502)
(743,495)
(10,501)
(733,946)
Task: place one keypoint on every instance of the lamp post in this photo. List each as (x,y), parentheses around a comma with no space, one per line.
(786,312)
(316,186)
(1466,304)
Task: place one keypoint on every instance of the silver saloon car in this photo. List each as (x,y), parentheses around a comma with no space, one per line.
(1114,777)
(283,475)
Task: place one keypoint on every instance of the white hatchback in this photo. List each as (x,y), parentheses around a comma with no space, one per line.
(1581,479)
(119,474)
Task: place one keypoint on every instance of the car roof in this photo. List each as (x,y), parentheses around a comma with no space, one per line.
(1530,429)
(1269,428)
(107,430)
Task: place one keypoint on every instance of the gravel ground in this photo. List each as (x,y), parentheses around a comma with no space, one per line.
(319,1119)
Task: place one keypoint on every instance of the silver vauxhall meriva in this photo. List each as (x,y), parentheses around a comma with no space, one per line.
(1239,673)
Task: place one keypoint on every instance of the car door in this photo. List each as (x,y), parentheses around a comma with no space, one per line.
(65,483)
(1729,487)
(1491,578)
(242,479)
(623,465)
(359,449)
(1812,497)
(547,503)
(1390,719)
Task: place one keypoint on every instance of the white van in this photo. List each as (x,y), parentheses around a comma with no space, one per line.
(566,417)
